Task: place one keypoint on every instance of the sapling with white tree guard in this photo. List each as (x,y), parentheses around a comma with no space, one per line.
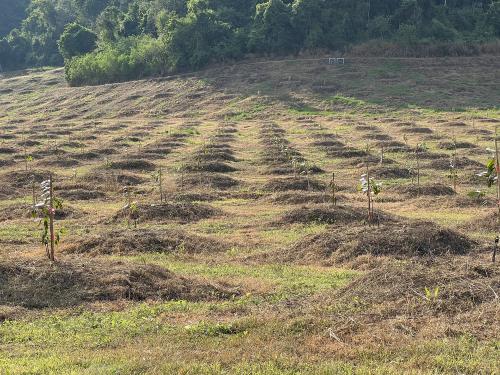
(453,174)
(47,206)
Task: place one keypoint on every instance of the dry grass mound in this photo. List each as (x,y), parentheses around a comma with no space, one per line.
(412,191)
(324,214)
(462,162)
(213,181)
(391,172)
(112,177)
(396,239)
(484,223)
(42,284)
(23,179)
(294,183)
(24,211)
(217,167)
(444,298)
(132,165)
(81,194)
(299,198)
(146,240)
(179,211)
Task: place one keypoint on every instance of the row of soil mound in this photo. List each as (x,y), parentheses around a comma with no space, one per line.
(397,239)
(280,156)
(42,284)
(145,240)
(209,165)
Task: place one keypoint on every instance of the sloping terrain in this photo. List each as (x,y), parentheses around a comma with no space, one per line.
(255,254)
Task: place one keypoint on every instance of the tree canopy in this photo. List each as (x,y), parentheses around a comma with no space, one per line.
(132,38)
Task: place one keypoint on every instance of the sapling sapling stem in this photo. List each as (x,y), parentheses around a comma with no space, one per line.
(333,187)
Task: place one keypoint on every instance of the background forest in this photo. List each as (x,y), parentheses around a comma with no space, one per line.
(115,40)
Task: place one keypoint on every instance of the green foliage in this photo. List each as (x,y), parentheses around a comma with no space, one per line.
(76,40)
(180,35)
(490,173)
(127,59)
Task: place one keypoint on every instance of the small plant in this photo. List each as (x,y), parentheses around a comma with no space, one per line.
(131,208)
(453,172)
(431,295)
(28,160)
(158,178)
(491,174)
(415,172)
(371,188)
(47,207)
(181,170)
(382,155)
(477,195)
(295,166)
(305,171)
(333,188)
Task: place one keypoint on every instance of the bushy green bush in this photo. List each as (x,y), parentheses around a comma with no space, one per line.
(129,58)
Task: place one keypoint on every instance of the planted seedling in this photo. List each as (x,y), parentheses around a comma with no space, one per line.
(158,178)
(421,147)
(180,170)
(295,166)
(131,208)
(333,188)
(305,171)
(453,173)
(491,175)
(47,207)
(371,188)
(28,160)
(431,295)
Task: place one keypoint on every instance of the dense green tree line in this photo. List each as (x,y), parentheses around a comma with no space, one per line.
(110,40)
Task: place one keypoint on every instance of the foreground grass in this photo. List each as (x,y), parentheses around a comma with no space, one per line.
(168,349)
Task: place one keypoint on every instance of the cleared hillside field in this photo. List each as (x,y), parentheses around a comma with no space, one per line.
(246,266)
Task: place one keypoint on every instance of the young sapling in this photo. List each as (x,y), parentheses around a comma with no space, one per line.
(333,188)
(48,206)
(158,178)
(453,173)
(371,188)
